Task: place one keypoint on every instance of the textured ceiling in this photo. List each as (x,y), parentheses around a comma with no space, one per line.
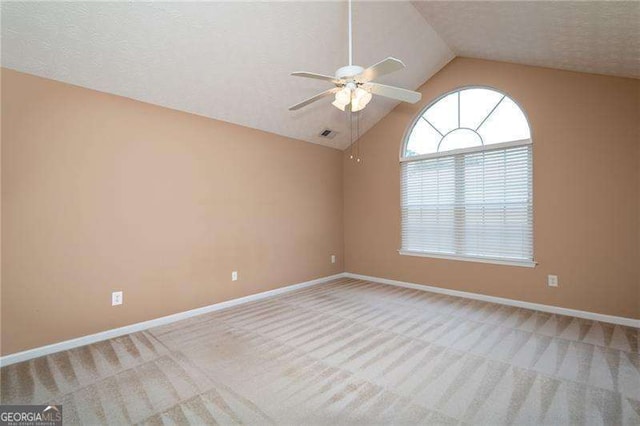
(600,37)
(229,61)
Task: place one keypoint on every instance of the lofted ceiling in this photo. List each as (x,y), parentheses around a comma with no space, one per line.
(600,37)
(231,60)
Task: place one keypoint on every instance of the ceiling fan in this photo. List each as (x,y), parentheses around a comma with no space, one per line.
(354,85)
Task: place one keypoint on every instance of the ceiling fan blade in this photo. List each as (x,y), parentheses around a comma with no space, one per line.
(313,99)
(316,76)
(386,66)
(397,93)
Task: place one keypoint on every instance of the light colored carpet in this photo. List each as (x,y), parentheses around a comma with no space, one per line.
(348,352)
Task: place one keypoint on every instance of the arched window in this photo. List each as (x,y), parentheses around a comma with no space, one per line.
(466,180)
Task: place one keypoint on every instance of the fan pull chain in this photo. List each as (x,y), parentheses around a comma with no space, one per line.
(358,136)
(354,147)
(351,141)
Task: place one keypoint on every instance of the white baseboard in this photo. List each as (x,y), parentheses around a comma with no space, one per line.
(630,322)
(116,332)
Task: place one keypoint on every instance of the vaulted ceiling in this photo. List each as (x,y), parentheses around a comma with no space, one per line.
(231,61)
(601,37)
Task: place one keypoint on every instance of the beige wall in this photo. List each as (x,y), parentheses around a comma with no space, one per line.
(102,193)
(586,137)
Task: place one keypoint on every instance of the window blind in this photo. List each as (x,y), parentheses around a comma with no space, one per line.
(476,204)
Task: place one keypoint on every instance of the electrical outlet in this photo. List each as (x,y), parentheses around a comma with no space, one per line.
(552,280)
(116,298)
(234,276)
(333,258)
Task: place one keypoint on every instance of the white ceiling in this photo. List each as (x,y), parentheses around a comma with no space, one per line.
(231,61)
(228,61)
(590,36)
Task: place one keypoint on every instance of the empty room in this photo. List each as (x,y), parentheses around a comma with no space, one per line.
(316,213)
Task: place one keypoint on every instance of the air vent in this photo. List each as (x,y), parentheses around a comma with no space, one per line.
(328,134)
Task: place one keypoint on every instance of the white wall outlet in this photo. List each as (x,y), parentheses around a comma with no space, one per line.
(116,298)
(234,276)
(333,258)
(552,280)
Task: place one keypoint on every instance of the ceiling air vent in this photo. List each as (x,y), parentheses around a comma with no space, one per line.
(328,134)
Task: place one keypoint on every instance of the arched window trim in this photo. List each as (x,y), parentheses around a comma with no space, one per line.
(483,147)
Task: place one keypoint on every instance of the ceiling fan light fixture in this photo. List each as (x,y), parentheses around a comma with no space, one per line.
(343,98)
(360,100)
(339,105)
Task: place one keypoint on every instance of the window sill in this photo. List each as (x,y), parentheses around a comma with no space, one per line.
(522,263)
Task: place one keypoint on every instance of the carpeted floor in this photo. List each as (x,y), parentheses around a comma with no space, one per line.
(348,352)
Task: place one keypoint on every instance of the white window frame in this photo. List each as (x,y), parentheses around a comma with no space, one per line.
(451,153)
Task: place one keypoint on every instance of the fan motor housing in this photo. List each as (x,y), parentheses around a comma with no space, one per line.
(349,71)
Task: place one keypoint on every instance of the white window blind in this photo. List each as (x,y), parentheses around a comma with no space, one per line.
(466,192)
(476,204)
